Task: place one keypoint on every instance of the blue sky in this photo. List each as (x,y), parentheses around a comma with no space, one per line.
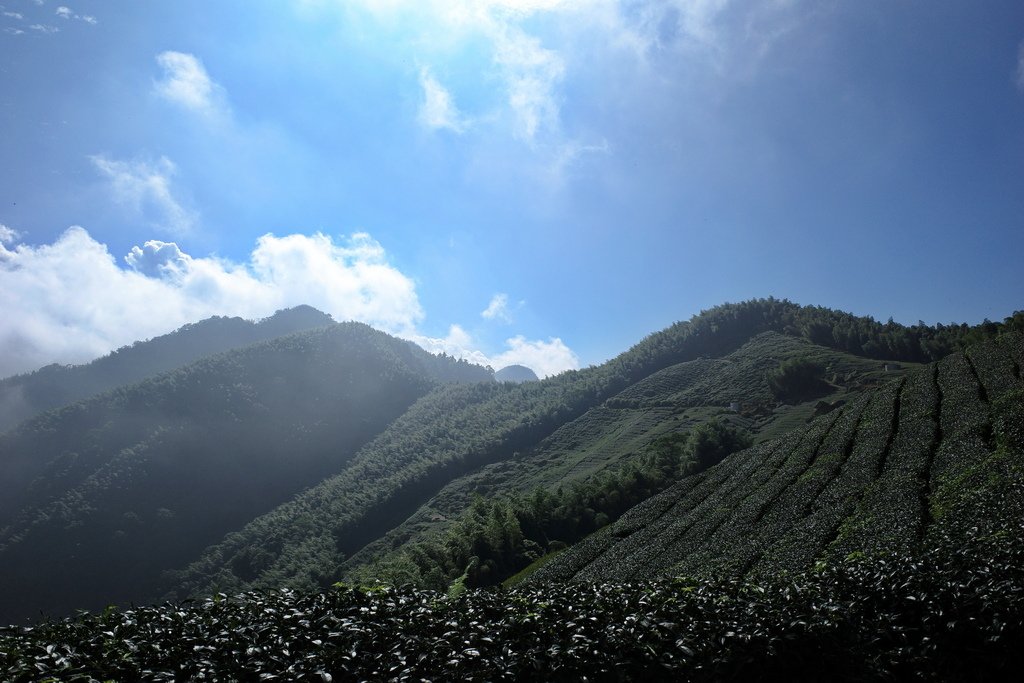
(535,181)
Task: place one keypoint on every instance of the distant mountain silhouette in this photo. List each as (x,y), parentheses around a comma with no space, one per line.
(516,373)
(53,386)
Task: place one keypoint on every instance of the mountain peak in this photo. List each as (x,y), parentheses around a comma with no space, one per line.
(516,373)
(302,316)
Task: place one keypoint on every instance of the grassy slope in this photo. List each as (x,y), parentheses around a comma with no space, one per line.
(871,478)
(670,400)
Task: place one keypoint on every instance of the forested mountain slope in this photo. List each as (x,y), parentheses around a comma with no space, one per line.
(100,497)
(876,478)
(23,396)
(457,430)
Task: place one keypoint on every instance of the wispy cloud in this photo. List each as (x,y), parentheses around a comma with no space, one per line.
(145,189)
(497,309)
(1020,66)
(49,296)
(528,72)
(67,13)
(186,83)
(437,110)
(8,235)
(34,16)
(532,74)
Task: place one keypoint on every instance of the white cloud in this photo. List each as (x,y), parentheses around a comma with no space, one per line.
(437,109)
(14,15)
(44,28)
(69,301)
(546,358)
(457,342)
(186,83)
(528,73)
(528,48)
(158,259)
(8,235)
(497,309)
(532,75)
(145,189)
(68,14)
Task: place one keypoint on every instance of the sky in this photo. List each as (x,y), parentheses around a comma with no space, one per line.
(542,182)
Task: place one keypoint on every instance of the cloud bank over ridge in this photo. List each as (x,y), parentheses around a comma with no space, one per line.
(71,301)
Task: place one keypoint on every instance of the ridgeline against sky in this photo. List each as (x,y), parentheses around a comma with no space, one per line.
(498,179)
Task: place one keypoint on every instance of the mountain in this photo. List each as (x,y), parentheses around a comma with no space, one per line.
(610,457)
(516,373)
(879,477)
(100,497)
(53,386)
(342,452)
(460,432)
(881,540)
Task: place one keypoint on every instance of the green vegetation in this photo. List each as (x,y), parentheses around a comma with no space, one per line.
(798,378)
(295,462)
(464,433)
(499,537)
(493,440)
(955,613)
(877,478)
(151,474)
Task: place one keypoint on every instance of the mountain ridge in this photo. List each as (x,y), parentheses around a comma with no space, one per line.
(152,472)
(324,523)
(25,395)
(450,424)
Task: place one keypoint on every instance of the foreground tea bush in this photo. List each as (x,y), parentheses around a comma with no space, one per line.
(956,613)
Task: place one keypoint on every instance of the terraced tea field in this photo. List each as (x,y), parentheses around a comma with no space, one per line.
(872,478)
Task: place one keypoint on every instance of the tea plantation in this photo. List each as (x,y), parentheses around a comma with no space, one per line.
(882,541)
(875,478)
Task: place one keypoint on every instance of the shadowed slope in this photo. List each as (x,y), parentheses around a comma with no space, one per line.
(102,496)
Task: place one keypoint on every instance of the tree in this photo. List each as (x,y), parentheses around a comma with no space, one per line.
(797,378)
